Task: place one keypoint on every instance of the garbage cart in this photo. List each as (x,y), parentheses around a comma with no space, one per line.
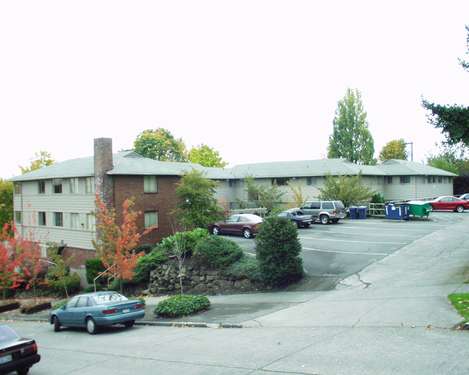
(397,211)
(362,211)
(419,209)
(353,212)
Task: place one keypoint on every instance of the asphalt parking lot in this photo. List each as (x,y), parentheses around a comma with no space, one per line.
(335,251)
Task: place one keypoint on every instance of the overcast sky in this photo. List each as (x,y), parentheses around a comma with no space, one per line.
(257,80)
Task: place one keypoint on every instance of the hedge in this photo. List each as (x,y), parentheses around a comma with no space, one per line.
(181,305)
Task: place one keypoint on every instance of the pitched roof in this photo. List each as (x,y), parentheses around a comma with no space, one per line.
(130,163)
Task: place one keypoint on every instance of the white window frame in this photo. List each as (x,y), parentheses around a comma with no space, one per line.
(73,185)
(90,222)
(149,221)
(39,218)
(55,219)
(75,220)
(150,184)
(41,183)
(89,185)
(19,217)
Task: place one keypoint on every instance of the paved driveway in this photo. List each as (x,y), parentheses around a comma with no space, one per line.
(335,251)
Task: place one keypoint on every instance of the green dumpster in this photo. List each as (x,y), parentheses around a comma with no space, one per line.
(419,209)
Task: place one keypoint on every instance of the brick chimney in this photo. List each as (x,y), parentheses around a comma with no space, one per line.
(102,164)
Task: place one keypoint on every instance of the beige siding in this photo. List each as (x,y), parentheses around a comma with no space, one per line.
(418,188)
(31,203)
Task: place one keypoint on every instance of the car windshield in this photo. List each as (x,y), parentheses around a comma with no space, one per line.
(7,334)
(252,218)
(102,299)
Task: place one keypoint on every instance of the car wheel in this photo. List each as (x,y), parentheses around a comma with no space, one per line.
(91,326)
(460,209)
(129,324)
(215,231)
(298,225)
(324,219)
(56,323)
(247,233)
(22,371)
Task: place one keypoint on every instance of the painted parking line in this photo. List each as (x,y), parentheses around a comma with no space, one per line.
(373,234)
(354,241)
(355,227)
(343,252)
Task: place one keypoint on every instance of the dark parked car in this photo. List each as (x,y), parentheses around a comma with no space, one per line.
(325,211)
(298,217)
(93,310)
(246,225)
(448,203)
(16,353)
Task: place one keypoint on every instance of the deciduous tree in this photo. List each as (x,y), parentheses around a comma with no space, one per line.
(41,159)
(206,156)
(116,242)
(453,120)
(197,206)
(160,144)
(6,202)
(395,149)
(351,138)
(348,189)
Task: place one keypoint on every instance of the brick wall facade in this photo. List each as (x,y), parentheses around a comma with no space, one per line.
(77,257)
(163,202)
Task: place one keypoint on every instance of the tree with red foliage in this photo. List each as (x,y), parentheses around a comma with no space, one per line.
(20,260)
(115,242)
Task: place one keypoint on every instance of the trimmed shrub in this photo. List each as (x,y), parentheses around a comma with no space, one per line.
(188,240)
(71,282)
(147,263)
(377,198)
(93,268)
(245,268)
(181,305)
(278,250)
(217,252)
(145,248)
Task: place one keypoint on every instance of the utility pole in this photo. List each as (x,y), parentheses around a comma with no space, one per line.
(411,150)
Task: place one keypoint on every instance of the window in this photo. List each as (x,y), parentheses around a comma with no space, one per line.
(83,302)
(75,221)
(41,187)
(150,184)
(17,189)
(90,222)
(280,181)
(58,219)
(315,205)
(73,183)
(440,179)
(404,179)
(89,185)
(72,302)
(231,183)
(232,219)
(57,186)
(18,217)
(388,180)
(42,218)
(327,206)
(309,181)
(151,219)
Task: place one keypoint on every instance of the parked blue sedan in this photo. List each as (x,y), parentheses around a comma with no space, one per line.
(93,310)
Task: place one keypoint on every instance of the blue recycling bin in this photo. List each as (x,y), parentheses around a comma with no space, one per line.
(361,212)
(397,211)
(353,211)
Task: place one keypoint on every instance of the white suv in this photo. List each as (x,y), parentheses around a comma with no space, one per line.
(325,211)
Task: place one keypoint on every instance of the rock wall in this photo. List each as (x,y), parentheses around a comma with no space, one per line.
(165,280)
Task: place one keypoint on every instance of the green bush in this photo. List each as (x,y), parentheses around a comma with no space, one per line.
(147,263)
(71,282)
(377,198)
(145,248)
(187,240)
(217,252)
(278,250)
(181,305)
(247,267)
(58,304)
(93,268)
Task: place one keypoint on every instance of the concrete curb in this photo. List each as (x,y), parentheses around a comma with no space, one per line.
(137,323)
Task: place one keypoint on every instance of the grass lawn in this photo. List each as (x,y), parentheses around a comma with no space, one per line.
(460,302)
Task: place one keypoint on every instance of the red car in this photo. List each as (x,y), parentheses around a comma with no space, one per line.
(448,203)
(241,224)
